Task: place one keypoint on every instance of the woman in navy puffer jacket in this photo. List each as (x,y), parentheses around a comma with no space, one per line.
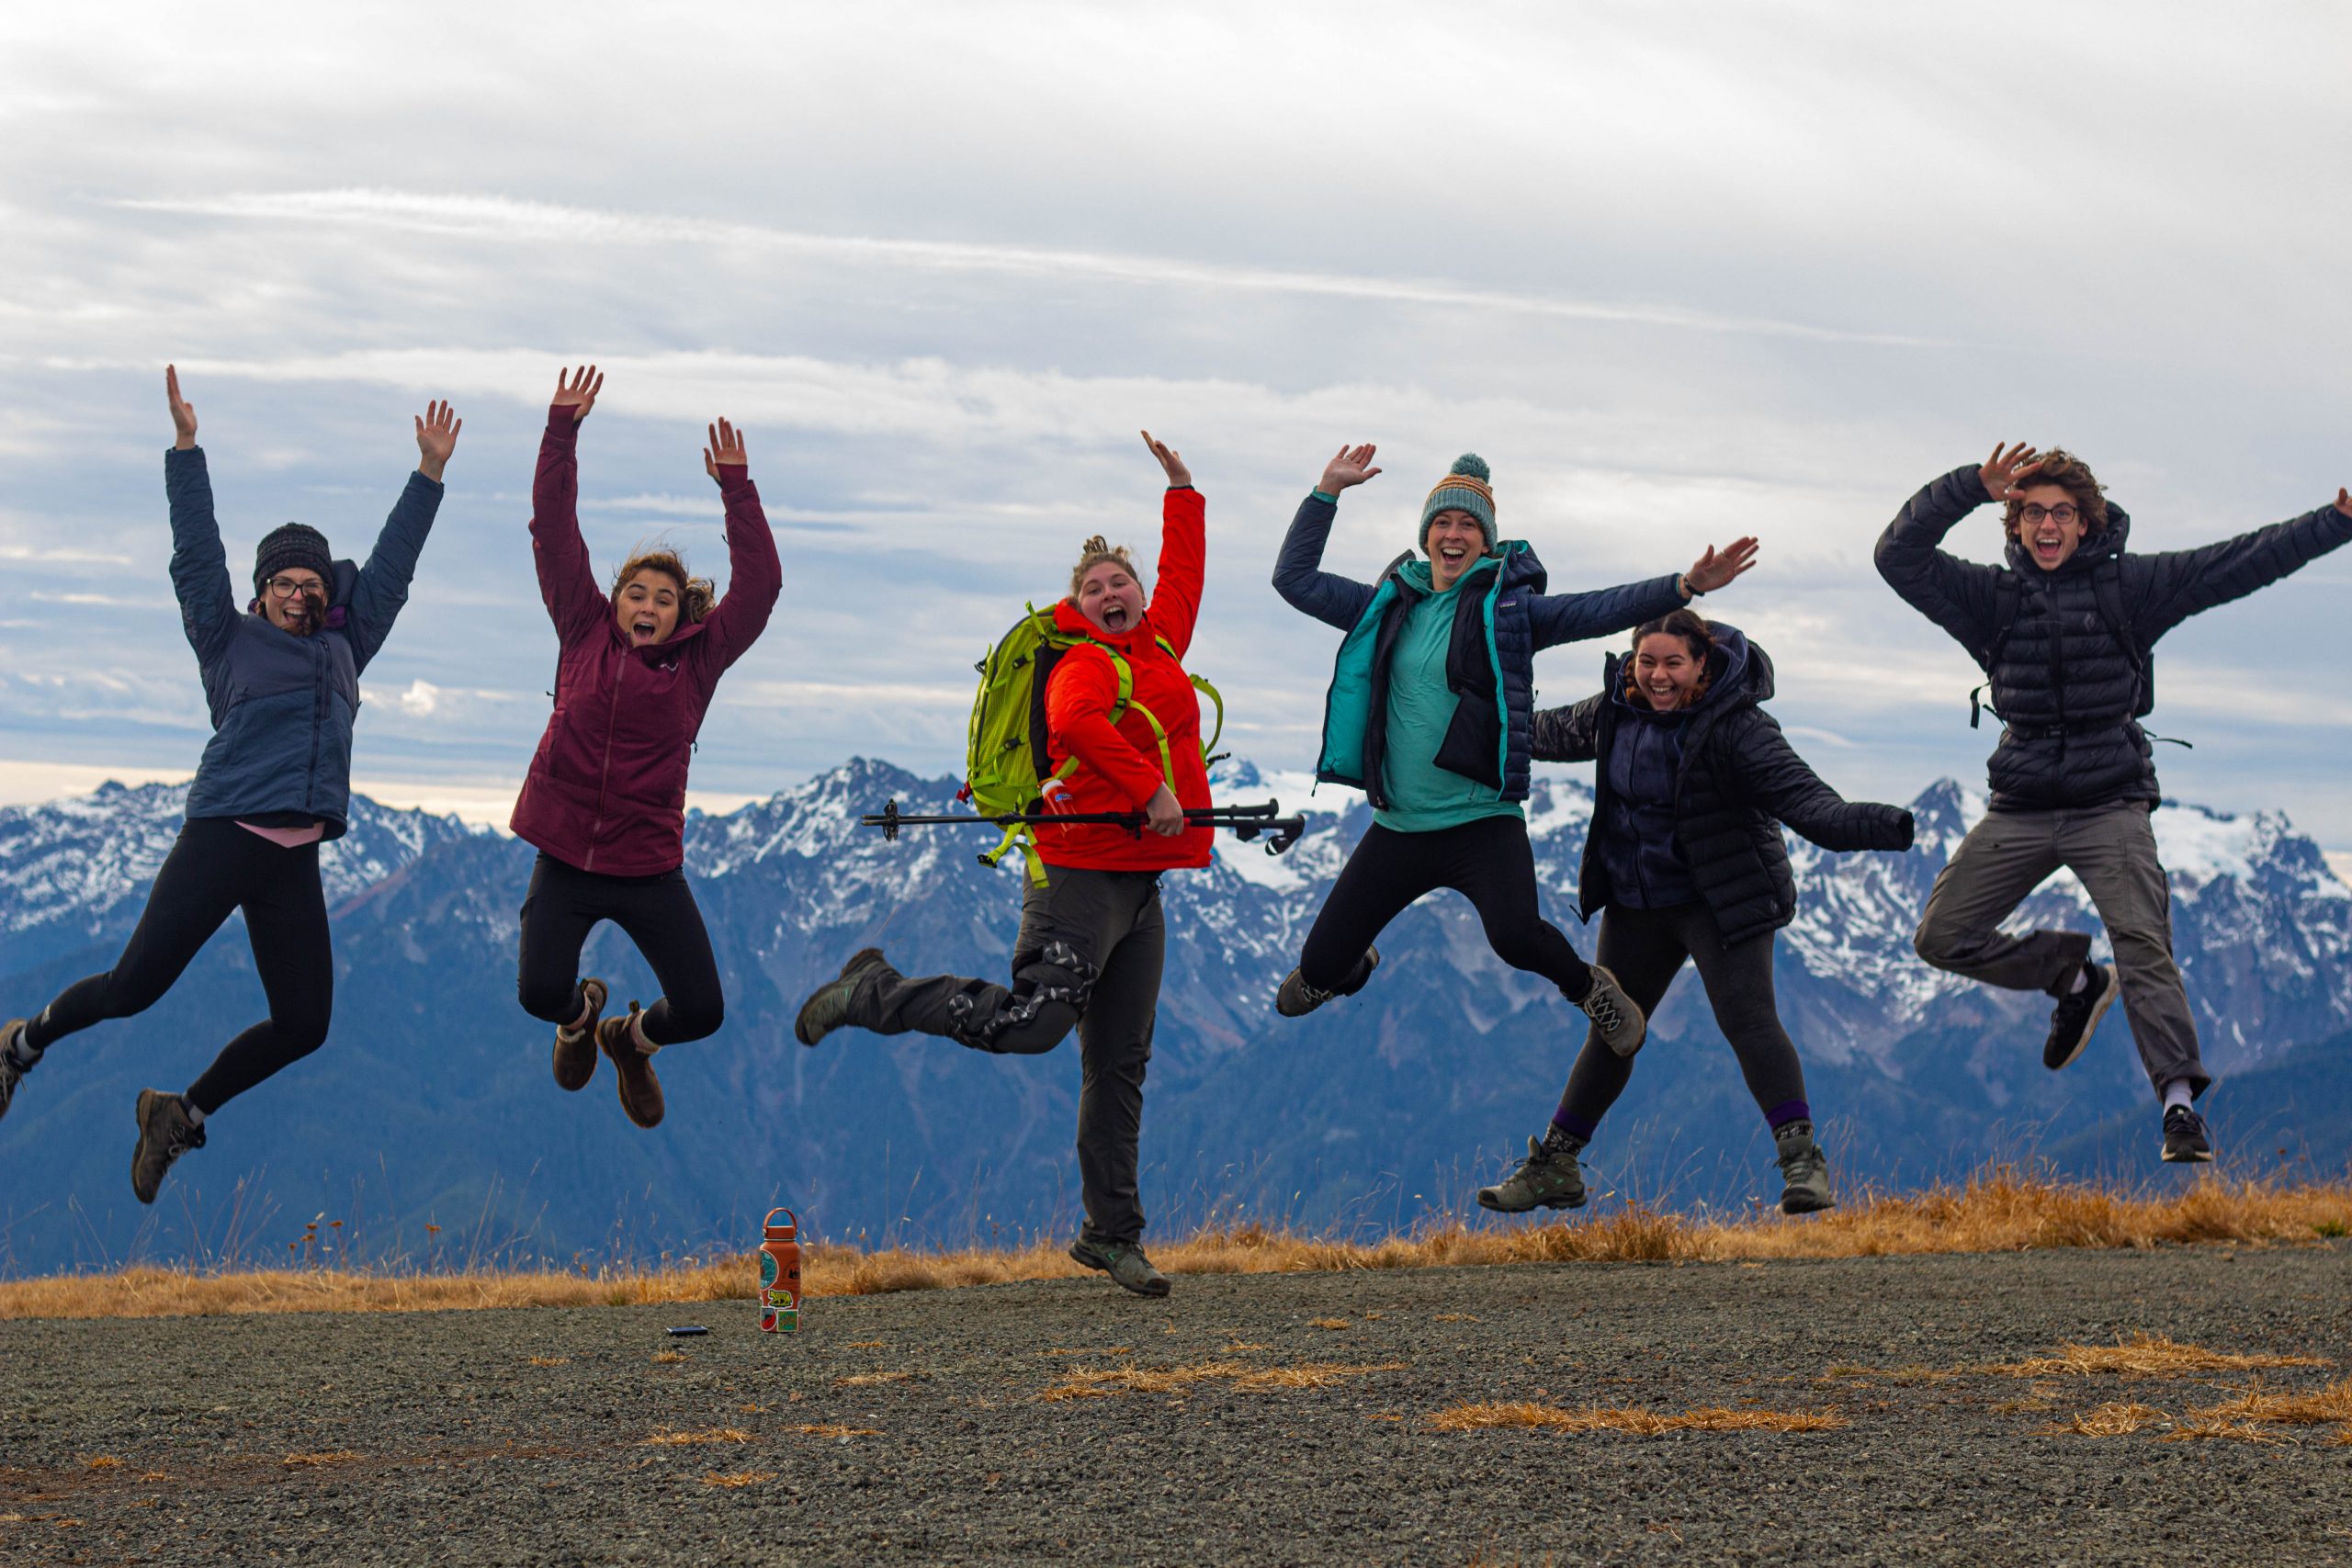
(282,681)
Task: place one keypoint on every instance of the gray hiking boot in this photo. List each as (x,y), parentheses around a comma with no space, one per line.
(12,1039)
(1614,1017)
(1124,1264)
(1298,998)
(832,1005)
(1804,1174)
(1547,1179)
(575,1049)
(165,1132)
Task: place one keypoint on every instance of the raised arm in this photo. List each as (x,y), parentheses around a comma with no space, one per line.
(754,573)
(1183,551)
(1569,734)
(1776,779)
(1299,576)
(1957,595)
(381,587)
(199,566)
(2180,583)
(567,586)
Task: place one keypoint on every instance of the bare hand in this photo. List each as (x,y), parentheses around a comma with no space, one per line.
(1178,474)
(183,413)
(1351,467)
(1717,567)
(578,392)
(1163,815)
(436,437)
(2344,501)
(2004,473)
(726,447)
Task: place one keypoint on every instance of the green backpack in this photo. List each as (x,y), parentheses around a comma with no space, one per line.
(1006,759)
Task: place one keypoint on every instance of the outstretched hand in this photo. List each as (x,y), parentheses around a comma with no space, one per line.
(726,447)
(2005,472)
(436,437)
(578,390)
(1717,567)
(183,412)
(1179,475)
(1351,467)
(2344,501)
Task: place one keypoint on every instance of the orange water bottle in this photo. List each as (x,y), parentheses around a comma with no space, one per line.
(780,1274)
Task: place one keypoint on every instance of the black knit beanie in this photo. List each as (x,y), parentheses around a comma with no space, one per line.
(294,545)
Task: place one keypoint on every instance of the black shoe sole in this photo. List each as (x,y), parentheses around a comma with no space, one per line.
(1799,1206)
(1576,1203)
(2188,1157)
(2113,989)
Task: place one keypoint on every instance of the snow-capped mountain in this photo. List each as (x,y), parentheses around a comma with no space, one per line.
(432,1099)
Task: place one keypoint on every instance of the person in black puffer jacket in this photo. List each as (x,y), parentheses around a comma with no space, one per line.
(1685,856)
(2063,633)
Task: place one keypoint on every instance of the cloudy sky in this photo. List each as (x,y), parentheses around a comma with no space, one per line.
(1678,271)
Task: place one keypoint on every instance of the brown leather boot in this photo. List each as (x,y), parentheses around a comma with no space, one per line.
(575,1049)
(640,1090)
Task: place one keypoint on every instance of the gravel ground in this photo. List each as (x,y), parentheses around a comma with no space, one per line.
(522,1437)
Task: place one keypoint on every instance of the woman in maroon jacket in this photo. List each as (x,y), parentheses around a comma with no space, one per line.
(604,801)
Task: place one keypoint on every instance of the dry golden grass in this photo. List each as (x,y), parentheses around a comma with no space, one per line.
(2117,1420)
(1326,1322)
(1999,1209)
(1102,1383)
(103,1461)
(2330,1406)
(2143,1356)
(830,1429)
(1636,1423)
(551,1360)
(668,1357)
(740,1478)
(303,1461)
(867,1380)
(666,1438)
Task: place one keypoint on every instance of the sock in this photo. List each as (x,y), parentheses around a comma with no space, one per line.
(1579,989)
(1788,1110)
(33,1041)
(195,1112)
(636,1032)
(2177,1094)
(1567,1134)
(579,1019)
(2082,979)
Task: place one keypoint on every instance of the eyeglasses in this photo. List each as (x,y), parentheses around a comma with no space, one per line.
(286,587)
(2062,513)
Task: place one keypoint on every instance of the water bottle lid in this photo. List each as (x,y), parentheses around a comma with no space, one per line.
(786,1231)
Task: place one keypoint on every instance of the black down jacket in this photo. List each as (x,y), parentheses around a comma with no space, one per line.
(1737,774)
(2066,687)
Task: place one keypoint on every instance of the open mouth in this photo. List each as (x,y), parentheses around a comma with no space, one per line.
(1114,618)
(645,629)
(2048,546)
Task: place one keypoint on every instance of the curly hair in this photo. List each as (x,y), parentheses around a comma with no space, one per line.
(695,595)
(1093,553)
(1696,634)
(2061,468)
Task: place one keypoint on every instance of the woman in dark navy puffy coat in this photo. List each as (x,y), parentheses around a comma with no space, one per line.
(1694,779)
(282,680)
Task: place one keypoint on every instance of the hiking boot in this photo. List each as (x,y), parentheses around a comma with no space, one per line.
(829,1005)
(2186,1141)
(640,1090)
(1547,1179)
(12,1039)
(1804,1174)
(1124,1264)
(575,1049)
(165,1132)
(2074,1018)
(1298,998)
(1614,1017)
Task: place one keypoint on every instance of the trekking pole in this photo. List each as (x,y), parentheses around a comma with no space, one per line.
(1247,821)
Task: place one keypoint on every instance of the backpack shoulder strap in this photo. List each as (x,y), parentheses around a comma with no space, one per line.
(2106,587)
(2008,601)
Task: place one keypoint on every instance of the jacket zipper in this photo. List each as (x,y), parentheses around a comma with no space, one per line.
(605,770)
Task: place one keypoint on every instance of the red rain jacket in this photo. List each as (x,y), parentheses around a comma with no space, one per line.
(607,787)
(1119,765)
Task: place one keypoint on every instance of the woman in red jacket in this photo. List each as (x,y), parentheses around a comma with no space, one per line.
(1091,940)
(604,801)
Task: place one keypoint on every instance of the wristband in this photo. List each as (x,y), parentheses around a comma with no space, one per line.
(1319,495)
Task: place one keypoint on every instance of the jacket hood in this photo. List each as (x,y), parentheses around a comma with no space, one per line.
(1743,670)
(2109,540)
(1519,568)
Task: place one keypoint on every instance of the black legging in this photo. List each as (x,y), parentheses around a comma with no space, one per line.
(656,912)
(1488,861)
(1644,949)
(216,868)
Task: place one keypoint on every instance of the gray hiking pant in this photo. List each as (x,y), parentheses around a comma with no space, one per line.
(1089,954)
(2112,849)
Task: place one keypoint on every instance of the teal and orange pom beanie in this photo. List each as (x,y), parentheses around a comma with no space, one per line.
(1465,490)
